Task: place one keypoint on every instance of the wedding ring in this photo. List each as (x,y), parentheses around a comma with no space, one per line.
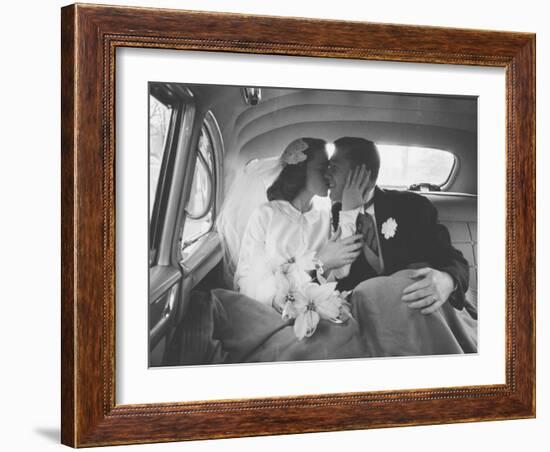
(434,298)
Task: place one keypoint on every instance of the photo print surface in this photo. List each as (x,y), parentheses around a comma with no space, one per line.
(303,224)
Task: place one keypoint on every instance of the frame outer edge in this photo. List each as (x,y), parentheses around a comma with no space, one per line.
(526,142)
(68,242)
(86,419)
(534,225)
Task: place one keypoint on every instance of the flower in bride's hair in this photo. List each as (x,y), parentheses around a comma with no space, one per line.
(294,152)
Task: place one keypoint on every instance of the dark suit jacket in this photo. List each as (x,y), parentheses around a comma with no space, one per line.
(419,238)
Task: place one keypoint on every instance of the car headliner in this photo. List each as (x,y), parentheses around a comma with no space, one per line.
(436,121)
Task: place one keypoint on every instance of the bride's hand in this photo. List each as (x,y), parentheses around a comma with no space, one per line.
(339,252)
(358,185)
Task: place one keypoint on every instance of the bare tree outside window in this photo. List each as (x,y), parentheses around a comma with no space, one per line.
(159,122)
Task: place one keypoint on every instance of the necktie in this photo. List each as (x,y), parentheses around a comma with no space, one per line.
(336,207)
(365,225)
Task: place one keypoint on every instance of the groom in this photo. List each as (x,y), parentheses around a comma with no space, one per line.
(400,231)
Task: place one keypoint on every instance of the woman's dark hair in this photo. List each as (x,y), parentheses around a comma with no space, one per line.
(292,179)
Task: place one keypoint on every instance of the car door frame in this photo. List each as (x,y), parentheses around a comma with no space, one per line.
(195,267)
(165,275)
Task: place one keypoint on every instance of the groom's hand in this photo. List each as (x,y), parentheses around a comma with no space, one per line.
(430,291)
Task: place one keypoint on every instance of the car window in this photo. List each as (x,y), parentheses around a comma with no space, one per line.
(159,124)
(201,203)
(403,166)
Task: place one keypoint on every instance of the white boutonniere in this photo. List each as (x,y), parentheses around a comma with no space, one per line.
(389,227)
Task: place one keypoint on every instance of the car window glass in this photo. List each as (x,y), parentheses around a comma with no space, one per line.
(403,166)
(200,206)
(199,198)
(159,123)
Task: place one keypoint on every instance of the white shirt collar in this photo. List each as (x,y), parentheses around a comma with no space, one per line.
(370,209)
(288,209)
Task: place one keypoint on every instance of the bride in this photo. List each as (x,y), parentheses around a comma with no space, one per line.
(291,228)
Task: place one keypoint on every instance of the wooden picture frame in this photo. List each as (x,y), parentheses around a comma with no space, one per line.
(90,36)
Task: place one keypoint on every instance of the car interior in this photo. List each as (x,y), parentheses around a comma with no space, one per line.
(201,135)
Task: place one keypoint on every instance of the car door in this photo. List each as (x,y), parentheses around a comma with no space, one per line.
(171,117)
(198,246)
(185,244)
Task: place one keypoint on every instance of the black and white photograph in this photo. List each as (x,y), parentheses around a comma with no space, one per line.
(292,224)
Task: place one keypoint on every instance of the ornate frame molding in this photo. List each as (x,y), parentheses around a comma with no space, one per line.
(90,37)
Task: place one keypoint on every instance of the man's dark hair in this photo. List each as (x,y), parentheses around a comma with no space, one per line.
(361,151)
(292,178)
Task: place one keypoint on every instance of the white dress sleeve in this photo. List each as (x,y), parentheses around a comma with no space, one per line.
(252,267)
(348,220)
(347,224)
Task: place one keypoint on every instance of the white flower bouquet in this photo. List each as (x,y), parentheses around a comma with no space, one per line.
(307,300)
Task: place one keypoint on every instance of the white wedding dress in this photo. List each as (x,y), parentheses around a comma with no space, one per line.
(276,233)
